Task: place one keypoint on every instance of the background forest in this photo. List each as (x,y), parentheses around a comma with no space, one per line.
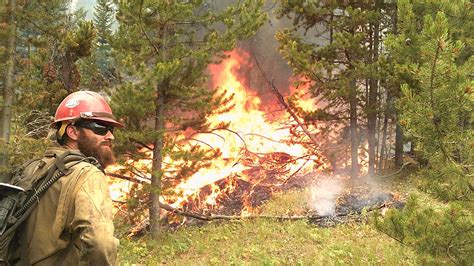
(391,102)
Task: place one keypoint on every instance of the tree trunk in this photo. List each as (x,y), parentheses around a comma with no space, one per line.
(354,137)
(6,113)
(398,145)
(371,124)
(68,72)
(398,128)
(372,102)
(378,130)
(331,30)
(384,140)
(157,170)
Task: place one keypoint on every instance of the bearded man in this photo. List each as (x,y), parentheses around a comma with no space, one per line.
(72,224)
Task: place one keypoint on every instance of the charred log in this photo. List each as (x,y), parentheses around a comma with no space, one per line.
(320,220)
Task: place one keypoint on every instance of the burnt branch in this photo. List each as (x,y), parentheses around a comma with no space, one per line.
(299,169)
(312,218)
(265,137)
(231,131)
(284,104)
(37,123)
(207,132)
(128,178)
(143,145)
(200,141)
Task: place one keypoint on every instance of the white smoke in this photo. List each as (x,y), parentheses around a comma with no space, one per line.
(324,194)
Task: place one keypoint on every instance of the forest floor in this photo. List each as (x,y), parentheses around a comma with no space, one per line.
(274,242)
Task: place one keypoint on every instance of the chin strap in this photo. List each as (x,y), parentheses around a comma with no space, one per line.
(61,131)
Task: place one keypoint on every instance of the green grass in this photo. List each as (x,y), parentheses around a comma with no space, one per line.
(267,243)
(270,242)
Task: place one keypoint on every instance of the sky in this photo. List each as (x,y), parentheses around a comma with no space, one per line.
(88,6)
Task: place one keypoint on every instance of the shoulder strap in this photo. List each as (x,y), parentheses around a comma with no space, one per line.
(65,210)
(58,170)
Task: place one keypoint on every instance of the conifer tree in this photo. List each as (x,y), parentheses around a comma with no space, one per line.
(437,111)
(98,70)
(436,108)
(48,41)
(56,39)
(165,48)
(103,20)
(337,57)
(436,93)
(6,105)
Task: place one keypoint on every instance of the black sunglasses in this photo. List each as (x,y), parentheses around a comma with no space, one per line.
(97,128)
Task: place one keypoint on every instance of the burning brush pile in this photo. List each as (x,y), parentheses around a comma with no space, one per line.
(260,155)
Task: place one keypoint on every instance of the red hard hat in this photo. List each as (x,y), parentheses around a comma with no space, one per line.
(85,105)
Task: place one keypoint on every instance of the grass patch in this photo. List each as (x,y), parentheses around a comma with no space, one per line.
(269,242)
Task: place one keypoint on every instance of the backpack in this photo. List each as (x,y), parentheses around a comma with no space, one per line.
(19,197)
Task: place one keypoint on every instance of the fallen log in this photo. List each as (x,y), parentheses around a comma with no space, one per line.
(277,217)
(312,218)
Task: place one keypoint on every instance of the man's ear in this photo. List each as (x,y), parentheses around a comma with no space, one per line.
(72,133)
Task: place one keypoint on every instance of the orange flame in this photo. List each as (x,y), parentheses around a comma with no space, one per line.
(250,140)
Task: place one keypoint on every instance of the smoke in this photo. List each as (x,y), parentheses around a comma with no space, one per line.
(324,194)
(263,47)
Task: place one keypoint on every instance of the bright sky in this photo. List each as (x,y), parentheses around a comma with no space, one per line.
(73,4)
(88,6)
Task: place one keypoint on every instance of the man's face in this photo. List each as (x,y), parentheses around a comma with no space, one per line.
(97,146)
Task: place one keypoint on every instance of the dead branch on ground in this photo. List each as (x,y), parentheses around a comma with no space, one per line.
(276,217)
(208,218)
(396,172)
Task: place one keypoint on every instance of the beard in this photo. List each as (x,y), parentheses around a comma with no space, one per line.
(102,151)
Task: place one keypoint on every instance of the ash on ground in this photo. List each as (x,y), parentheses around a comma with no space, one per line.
(350,205)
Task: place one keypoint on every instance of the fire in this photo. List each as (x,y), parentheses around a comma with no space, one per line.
(251,144)
(304,99)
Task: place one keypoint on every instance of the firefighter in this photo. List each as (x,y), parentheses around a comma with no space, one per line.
(72,223)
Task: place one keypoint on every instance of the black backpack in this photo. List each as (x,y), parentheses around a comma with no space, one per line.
(19,197)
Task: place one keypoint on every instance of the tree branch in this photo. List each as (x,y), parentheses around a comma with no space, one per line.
(395,173)
(128,178)
(144,145)
(157,51)
(283,102)
(433,106)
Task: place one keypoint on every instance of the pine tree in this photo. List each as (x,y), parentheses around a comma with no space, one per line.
(445,233)
(48,41)
(337,57)
(165,48)
(55,40)
(98,70)
(436,106)
(103,20)
(8,86)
